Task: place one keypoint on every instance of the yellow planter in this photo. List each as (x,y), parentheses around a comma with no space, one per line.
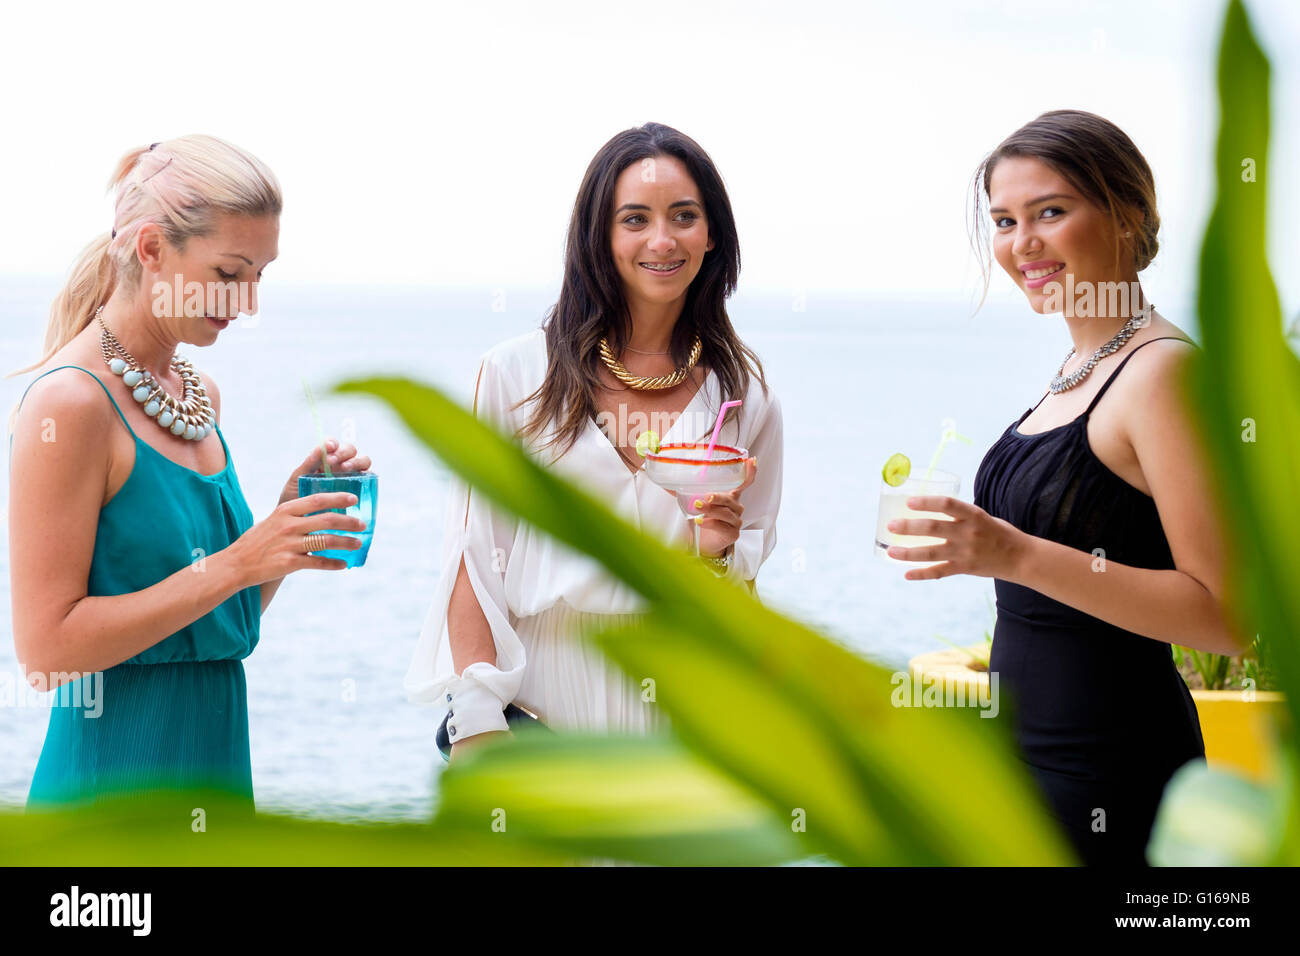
(1239,734)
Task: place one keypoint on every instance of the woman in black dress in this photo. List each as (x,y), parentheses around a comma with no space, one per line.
(1093,511)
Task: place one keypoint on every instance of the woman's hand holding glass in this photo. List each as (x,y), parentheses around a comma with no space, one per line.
(720,515)
(345,460)
(275,546)
(975,542)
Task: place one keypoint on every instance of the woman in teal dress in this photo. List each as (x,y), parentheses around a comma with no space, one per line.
(138,574)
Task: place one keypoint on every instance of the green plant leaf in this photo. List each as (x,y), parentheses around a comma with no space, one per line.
(881,771)
(1246,373)
(1246,380)
(873,781)
(1213,818)
(638,799)
(158,829)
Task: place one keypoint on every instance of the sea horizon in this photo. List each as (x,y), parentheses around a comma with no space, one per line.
(858,378)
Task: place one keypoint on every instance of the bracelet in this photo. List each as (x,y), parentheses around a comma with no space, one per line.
(719,564)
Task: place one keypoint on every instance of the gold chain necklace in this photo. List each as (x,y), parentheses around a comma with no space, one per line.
(647,383)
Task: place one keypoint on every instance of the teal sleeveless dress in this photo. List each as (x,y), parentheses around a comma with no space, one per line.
(174,716)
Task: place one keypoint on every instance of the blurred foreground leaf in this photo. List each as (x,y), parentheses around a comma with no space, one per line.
(642,799)
(1216,818)
(1246,381)
(157,830)
(804,723)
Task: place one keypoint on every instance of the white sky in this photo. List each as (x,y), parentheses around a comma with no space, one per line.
(443,143)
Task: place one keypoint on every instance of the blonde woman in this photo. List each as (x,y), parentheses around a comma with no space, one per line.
(135,562)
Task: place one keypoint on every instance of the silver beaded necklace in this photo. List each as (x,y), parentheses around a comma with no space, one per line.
(191,418)
(1061,384)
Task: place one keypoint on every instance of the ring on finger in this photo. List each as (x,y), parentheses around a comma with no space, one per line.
(314,542)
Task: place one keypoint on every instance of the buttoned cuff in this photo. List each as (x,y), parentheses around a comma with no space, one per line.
(472,709)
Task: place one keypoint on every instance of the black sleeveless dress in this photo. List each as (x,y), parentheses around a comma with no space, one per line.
(1101,715)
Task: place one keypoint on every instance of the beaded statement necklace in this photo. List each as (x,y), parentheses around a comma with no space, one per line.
(1060,384)
(192,417)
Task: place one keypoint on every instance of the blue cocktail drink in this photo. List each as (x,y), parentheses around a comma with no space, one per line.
(365,486)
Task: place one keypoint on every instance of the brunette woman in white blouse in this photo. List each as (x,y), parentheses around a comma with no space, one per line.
(638,340)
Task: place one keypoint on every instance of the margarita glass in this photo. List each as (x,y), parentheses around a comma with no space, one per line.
(685,469)
(893,506)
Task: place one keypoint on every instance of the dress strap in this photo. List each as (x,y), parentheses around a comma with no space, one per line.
(92,375)
(1113,375)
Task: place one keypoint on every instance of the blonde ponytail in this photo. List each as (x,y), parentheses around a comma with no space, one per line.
(181,185)
(88,287)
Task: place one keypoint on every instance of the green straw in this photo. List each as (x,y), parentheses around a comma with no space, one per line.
(320,433)
(948,435)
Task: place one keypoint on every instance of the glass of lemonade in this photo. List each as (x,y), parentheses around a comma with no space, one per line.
(365,485)
(686,469)
(893,506)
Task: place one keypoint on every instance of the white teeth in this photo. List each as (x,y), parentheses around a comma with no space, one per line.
(662,266)
(1039,273)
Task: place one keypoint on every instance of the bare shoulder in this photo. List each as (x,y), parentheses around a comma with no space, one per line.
(66,398)
(1160,364)
(1151,400)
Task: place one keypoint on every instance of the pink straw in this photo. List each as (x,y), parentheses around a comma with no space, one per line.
(717,427)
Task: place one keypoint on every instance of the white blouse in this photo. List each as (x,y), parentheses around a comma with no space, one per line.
(539,595)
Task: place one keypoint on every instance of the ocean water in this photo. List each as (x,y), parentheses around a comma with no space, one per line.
(332,732)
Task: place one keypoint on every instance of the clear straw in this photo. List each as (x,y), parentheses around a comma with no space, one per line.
(949,434)
(320,434)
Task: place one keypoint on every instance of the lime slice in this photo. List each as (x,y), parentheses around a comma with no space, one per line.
(896,470)
(647,441)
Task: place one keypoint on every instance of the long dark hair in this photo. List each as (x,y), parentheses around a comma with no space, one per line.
(1098,159)
(592,304)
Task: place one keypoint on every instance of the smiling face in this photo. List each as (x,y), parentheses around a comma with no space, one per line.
(659,233)
(1044,230)
(227,264)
